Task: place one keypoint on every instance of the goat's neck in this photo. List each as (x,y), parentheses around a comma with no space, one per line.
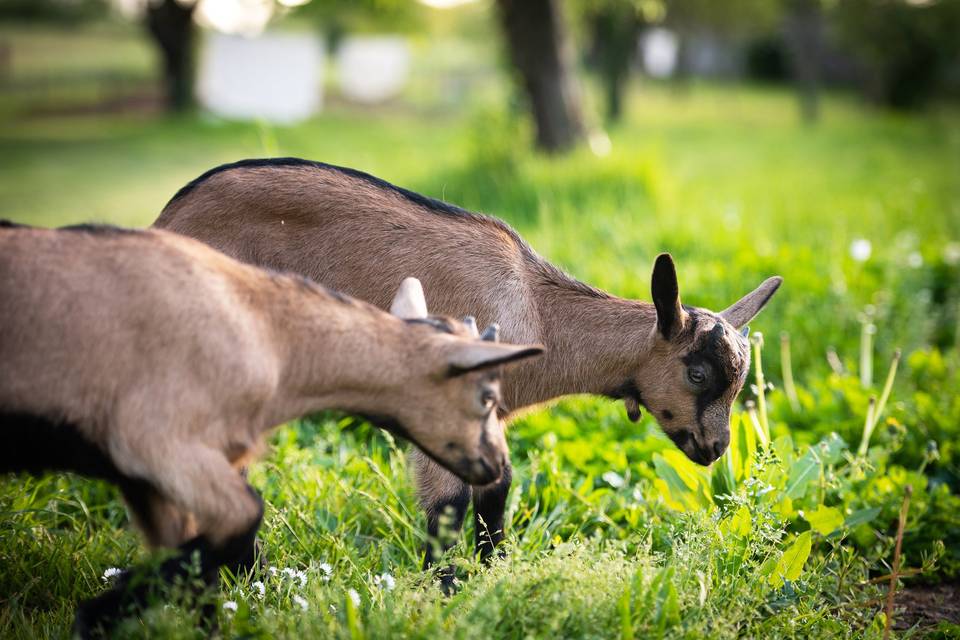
(594,343)
(335,355)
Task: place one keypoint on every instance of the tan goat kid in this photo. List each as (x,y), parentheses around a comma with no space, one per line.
(359,234)
(157,363)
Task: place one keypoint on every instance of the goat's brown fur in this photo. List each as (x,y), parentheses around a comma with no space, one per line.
(361,235)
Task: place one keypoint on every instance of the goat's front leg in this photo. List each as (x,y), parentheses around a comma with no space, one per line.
(444,498)
(489,505)
(228,513)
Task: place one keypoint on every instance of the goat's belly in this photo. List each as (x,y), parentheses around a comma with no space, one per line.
(36,444)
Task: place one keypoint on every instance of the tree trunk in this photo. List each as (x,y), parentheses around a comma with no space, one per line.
(536,41)
(171,25)
(615,32)
(802,31)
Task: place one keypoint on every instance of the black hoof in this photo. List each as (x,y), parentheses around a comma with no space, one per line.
(97,616)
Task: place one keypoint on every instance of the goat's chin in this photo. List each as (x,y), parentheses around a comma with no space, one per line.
(477,472)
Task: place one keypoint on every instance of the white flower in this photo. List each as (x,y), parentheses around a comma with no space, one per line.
(301,602)
(614,479)
(110,573)
(915,260)
(230,606)
(326,571)
(860,249)
(385,580)
(272,571)
(296,575)
(354,596)
(259,589)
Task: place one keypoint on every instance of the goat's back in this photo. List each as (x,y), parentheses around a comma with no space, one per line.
(101,322)
(361,235)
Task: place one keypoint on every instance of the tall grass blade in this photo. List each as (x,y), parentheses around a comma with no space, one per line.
(757,340)
(868,425)
(887,386)
(867,332)
(786,364)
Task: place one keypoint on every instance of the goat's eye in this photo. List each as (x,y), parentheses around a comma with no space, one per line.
(696,376)
(488,398)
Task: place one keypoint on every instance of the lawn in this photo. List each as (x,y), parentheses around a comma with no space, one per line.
(612,533)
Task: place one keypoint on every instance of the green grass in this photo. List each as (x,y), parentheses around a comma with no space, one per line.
(732,185)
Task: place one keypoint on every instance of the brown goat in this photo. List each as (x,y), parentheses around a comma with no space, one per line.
(153,361)
(360,234)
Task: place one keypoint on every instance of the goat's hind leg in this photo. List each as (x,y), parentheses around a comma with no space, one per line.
(228,513)
(444,499)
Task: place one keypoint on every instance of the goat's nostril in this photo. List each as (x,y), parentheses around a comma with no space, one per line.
(718,447)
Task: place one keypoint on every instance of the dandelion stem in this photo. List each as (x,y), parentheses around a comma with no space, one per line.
(786,365)
(875,409)
(752,415)
(866,353)
(757,339)
(887,386)
(834,361)
(868,425)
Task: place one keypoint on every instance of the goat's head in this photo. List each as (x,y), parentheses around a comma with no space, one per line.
(696,366)
(451,393)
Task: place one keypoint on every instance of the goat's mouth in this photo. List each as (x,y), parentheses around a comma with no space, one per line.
(482,470)
(687,442)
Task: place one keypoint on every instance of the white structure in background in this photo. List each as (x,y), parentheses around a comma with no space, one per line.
(275,77)
(372,69)
(660,47)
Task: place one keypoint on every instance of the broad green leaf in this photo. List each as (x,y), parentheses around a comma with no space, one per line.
(862,516)
(791,564)
(824,520)
(740,522)
(802,473)
(784,507)
(668,474)
(830,449)
(783,447)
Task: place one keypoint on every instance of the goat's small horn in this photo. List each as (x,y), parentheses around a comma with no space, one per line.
(471,323)
(491,333)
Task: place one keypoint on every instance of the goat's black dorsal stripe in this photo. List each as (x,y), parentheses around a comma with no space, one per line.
(709,351)
(550,272)
(422,200)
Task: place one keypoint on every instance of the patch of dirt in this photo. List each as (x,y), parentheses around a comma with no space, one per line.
(927,605)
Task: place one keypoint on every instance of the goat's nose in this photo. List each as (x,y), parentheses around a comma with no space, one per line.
(718,446)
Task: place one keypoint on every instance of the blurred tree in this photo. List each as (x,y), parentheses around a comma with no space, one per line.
(802,29)
(614,29)
(59,11)
(170,23)
(536,41)
(909,45)
(339,17)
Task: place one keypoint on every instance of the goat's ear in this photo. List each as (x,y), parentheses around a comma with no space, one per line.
(746,308)
(409,302)
(666,297)
(475,356)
